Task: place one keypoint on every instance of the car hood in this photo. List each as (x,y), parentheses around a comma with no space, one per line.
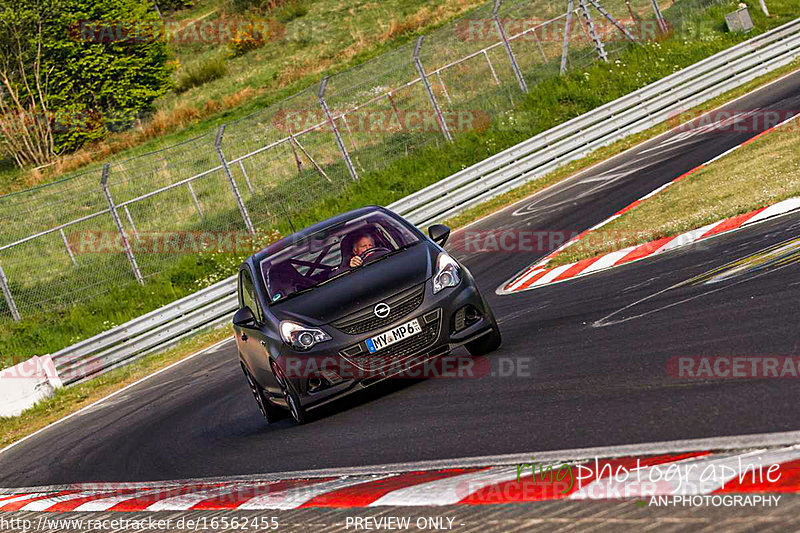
(363,287)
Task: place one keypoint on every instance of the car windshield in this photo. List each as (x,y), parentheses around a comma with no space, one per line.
(333,252)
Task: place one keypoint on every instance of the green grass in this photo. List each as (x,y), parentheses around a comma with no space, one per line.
(754,176)
(200,73)
(387,178)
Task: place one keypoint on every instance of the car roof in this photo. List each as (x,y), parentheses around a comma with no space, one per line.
(294,237)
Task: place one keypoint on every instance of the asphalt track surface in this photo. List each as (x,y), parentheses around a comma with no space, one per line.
(576,382)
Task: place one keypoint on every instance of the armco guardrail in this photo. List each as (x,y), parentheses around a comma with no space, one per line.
(155,330)
(526,161)
(630,114)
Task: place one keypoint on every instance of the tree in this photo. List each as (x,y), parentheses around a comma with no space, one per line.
(78,69)
(25,127)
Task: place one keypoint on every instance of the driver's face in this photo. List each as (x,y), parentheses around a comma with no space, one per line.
(363,244)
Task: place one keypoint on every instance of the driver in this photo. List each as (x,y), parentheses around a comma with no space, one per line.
(361,245)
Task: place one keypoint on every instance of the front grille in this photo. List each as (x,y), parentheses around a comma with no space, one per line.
(398,352)
(364,320)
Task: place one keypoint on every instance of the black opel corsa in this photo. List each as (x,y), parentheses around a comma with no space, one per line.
(349,302)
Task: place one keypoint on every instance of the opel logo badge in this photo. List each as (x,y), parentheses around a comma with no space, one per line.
(382,310)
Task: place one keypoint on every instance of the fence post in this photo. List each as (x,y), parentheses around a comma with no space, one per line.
(196,200)
(662,24)
(234,188)
(246,178)
(491,68)
(612,20)
(509,51)
(567,31)
(598,42)
(132,223)
(321,97)
(125,243)
(69,249)
(431,96)
(9,299)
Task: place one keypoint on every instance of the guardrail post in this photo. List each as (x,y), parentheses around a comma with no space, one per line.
(567,31)
(431,96)
(321,97)
(509,51)
(9,299)
(598,42)
(662,24)
(125,243)
(242,209)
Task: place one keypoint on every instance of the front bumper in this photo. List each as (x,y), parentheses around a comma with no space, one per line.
(345,366)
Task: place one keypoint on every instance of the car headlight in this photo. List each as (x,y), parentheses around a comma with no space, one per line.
(448,273)
(301,337)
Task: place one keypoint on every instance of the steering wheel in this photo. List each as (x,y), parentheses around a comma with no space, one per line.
(376,249)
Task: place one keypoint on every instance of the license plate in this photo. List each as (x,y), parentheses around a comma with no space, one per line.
(404,331)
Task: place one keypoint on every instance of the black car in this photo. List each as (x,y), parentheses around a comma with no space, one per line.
(349,302)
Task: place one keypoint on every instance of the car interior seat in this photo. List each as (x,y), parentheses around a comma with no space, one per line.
(284,279)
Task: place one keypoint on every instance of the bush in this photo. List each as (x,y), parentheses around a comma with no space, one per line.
(173,5)
(196,74)
(245,41)
(103,65)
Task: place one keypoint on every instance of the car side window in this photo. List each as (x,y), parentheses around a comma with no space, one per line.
(247,294)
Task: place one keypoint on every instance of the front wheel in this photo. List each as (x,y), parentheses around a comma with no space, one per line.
(270,412)
(289,394)
(486,343)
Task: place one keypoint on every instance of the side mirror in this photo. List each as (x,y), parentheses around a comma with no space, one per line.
(439,233)
(244,318)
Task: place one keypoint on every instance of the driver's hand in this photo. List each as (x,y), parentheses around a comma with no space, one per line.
(356,261)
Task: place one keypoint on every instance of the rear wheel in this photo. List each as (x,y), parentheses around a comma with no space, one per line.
(289,394)
(270,412)
(487,343)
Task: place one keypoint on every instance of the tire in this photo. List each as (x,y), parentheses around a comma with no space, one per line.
(296,410)
(486,343)
(270,412)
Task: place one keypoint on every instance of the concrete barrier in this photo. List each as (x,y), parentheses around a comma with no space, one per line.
(27,383)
